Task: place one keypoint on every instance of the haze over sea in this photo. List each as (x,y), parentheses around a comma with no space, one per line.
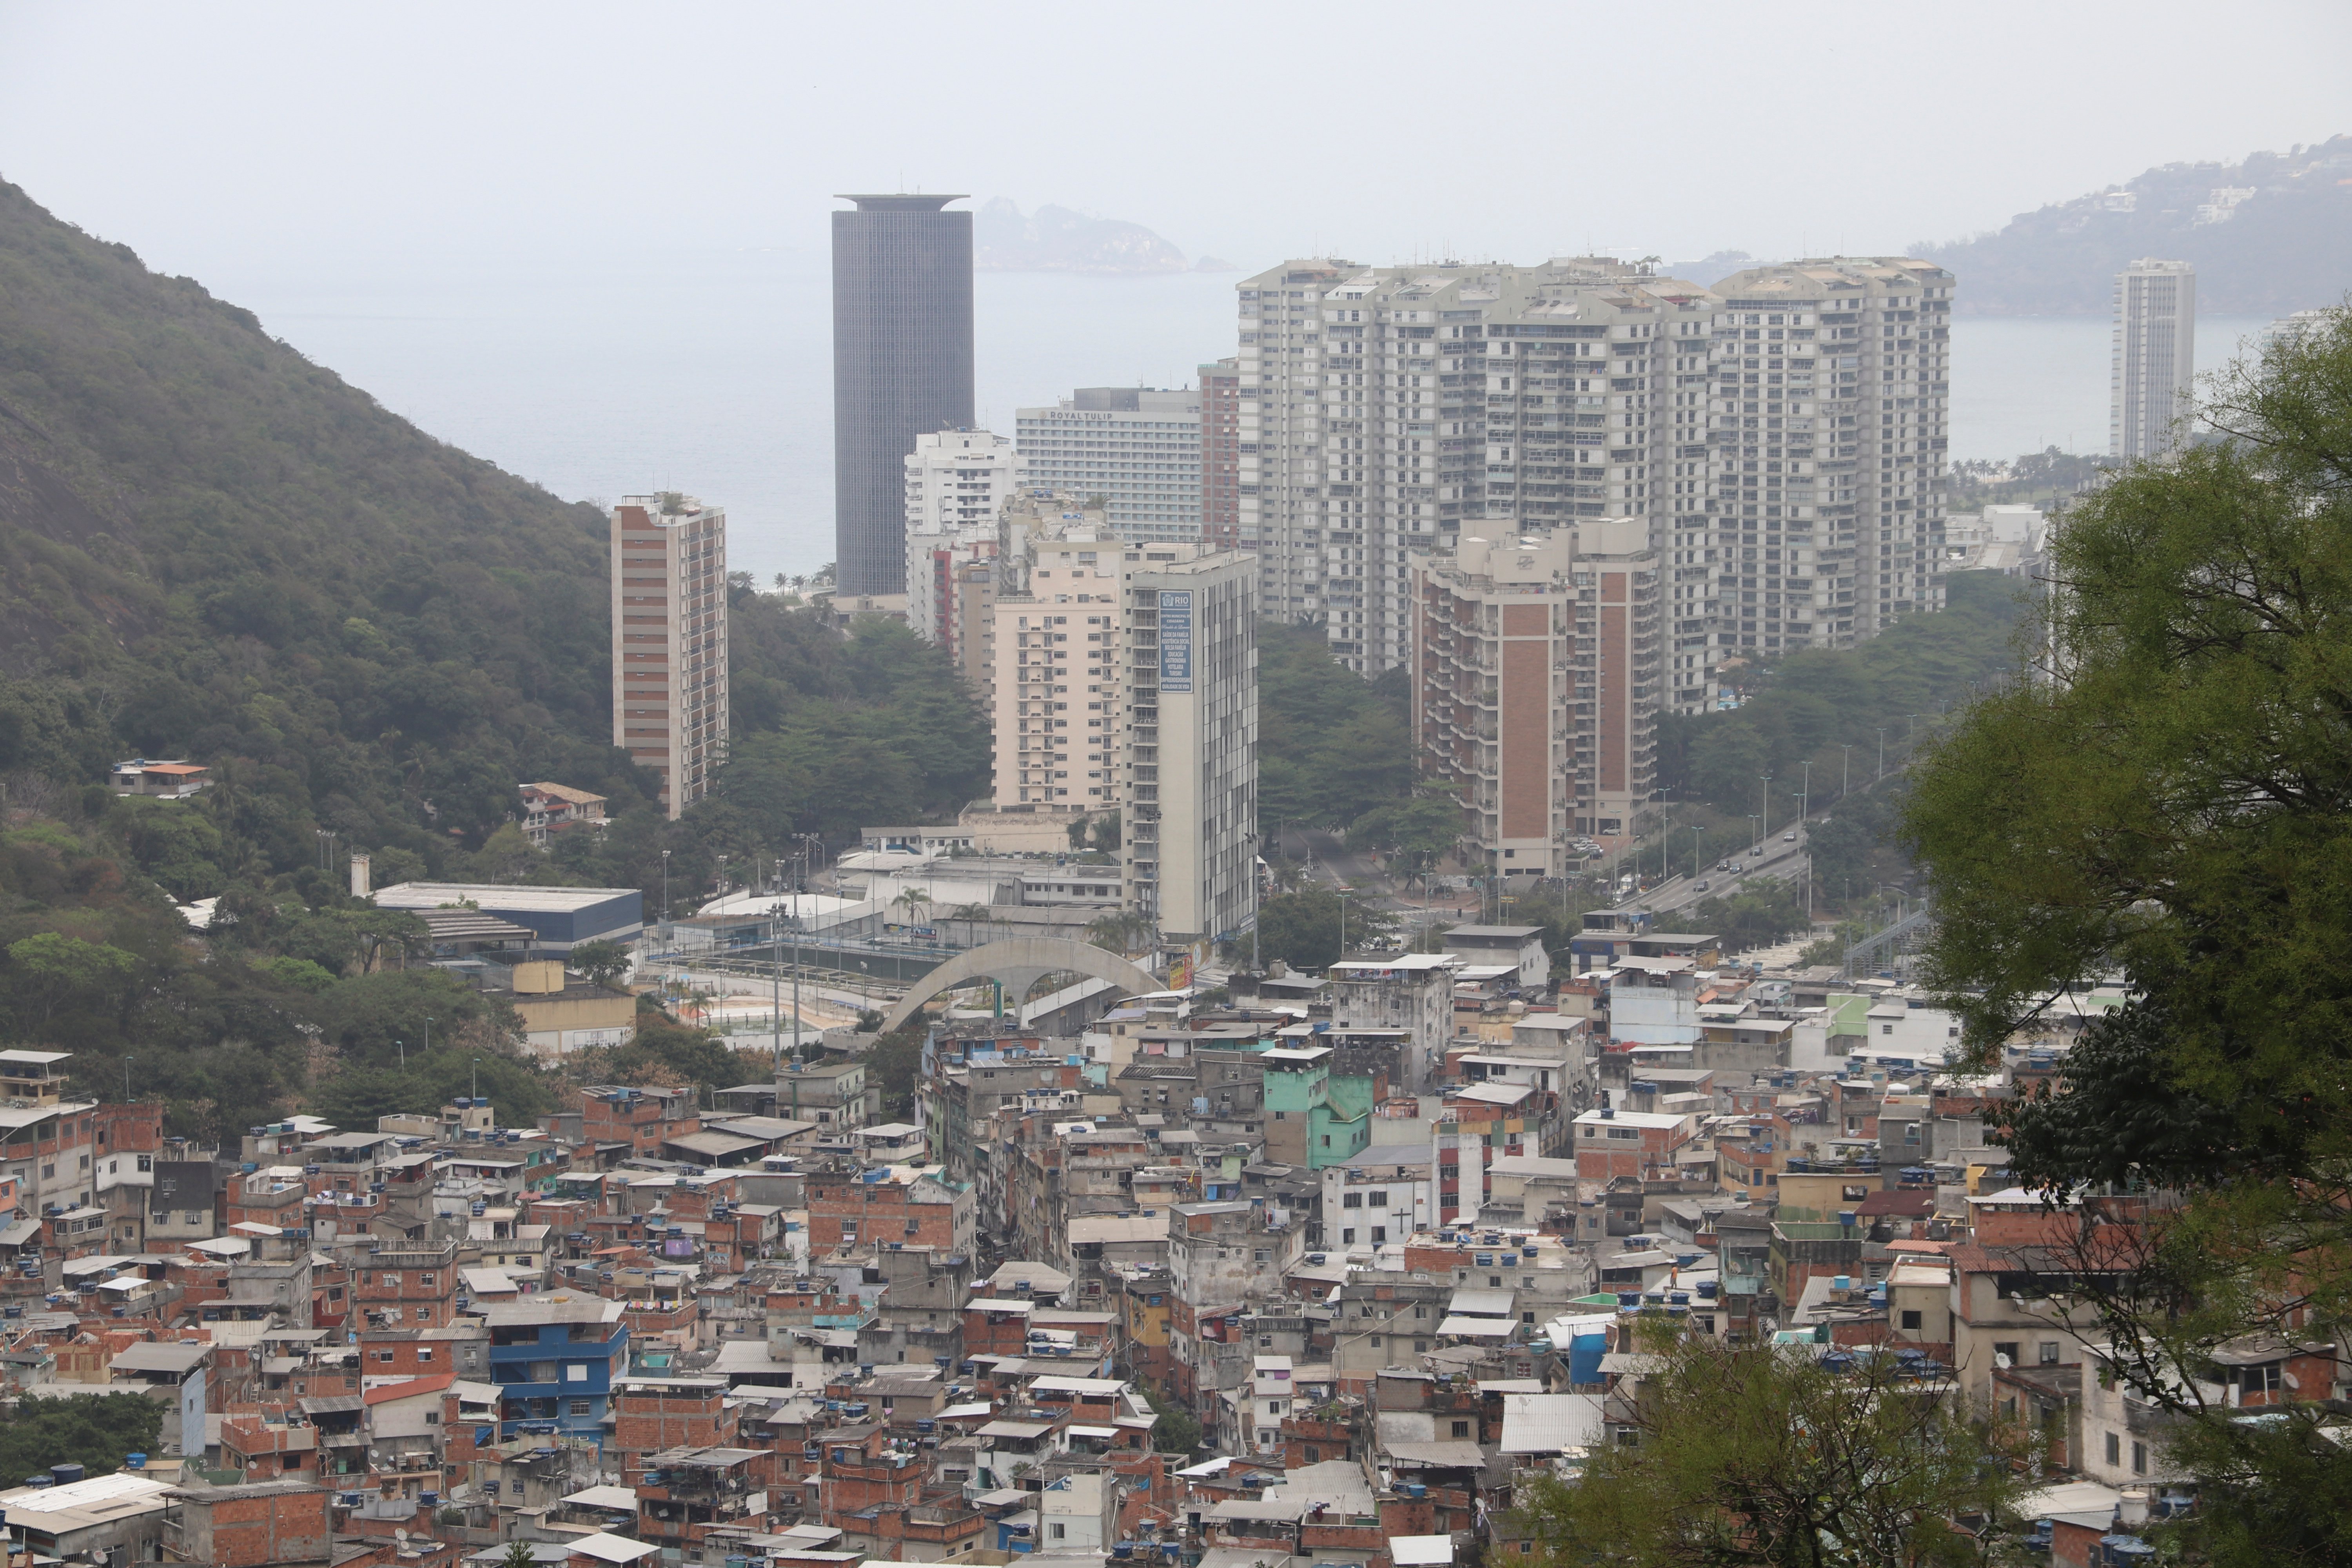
(712,373)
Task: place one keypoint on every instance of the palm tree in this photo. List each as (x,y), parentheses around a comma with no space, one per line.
(972,915)
(1123,930)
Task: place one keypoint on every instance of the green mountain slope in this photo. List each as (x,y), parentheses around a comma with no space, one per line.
(211,546)
(2286,245)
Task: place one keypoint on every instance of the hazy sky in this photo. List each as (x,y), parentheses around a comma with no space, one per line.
(249,141)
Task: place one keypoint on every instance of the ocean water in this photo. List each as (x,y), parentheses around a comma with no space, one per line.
(712,373)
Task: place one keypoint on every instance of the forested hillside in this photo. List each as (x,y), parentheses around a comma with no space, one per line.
(212,548)
(2284,245)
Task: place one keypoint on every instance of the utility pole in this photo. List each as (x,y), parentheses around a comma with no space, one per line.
(665,910)
(1251,841)
(477,1077)
(1805,795)
(1343,919)
(1768,808)
(1882,752)
(126,1078)
(776,977)
(1697,833)
(1845,774)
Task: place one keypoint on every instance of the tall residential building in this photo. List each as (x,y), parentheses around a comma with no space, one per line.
(2152,366)
(1108,654)
(1536,684)
(1191,814)
(957,483)
(1829,438)
(1385,410)
(902,367)
(1221,512)
(669,640)
(1137,449)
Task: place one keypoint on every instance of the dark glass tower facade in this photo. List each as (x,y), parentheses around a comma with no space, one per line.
(901,368)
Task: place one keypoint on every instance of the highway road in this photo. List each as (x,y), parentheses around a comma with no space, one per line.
(1782,860)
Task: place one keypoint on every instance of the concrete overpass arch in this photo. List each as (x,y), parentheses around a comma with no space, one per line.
(1017,964)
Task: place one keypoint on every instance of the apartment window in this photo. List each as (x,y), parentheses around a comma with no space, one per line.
(425,1352)
(392,1281)
(1353,1200)
(2115,1449)
(424,1281)
(1054,1532)
(1379,1200)
(1261,1254)
(1419,1345)
(385,1356)
(1348,1237)
(1380,1233)
(1462,1428)
(1911,1318)
(2006,1348)
(2139,1458)
(575,1371)
(2048,1350)
(1420,1311)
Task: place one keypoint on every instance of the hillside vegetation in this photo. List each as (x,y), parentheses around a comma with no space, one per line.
(211,547)
(2286,246)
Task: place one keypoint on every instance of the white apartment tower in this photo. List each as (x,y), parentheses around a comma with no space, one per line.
(670,641)
(1386,410)
(2152,367)
(1135,448)
(1125,679)
(957,483)
(1829,441)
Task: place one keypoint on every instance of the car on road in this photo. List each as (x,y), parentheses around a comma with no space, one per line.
(1789,837)
(1700,887)
(1723,865)
(1758,850)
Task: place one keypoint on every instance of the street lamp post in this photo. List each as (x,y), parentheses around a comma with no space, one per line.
(1845,770)
(1882,752)
(1343,922)
(1697,833)
(1753,838)
(1805,795)
(664,885)
(1768,808)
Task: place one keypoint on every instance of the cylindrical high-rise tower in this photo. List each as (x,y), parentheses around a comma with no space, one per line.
(901,368)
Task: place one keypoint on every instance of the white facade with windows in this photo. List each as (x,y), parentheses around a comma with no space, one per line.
(2153,363)
(1137,448)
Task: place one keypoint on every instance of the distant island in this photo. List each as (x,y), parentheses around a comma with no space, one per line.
(2270,236)
(1056,239)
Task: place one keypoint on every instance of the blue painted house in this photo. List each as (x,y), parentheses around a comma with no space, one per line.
(554,1358)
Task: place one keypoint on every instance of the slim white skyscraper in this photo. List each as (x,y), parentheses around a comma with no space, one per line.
(2153,362)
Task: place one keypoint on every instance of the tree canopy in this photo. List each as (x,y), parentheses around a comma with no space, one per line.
(2169,804)
(1781,1454)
